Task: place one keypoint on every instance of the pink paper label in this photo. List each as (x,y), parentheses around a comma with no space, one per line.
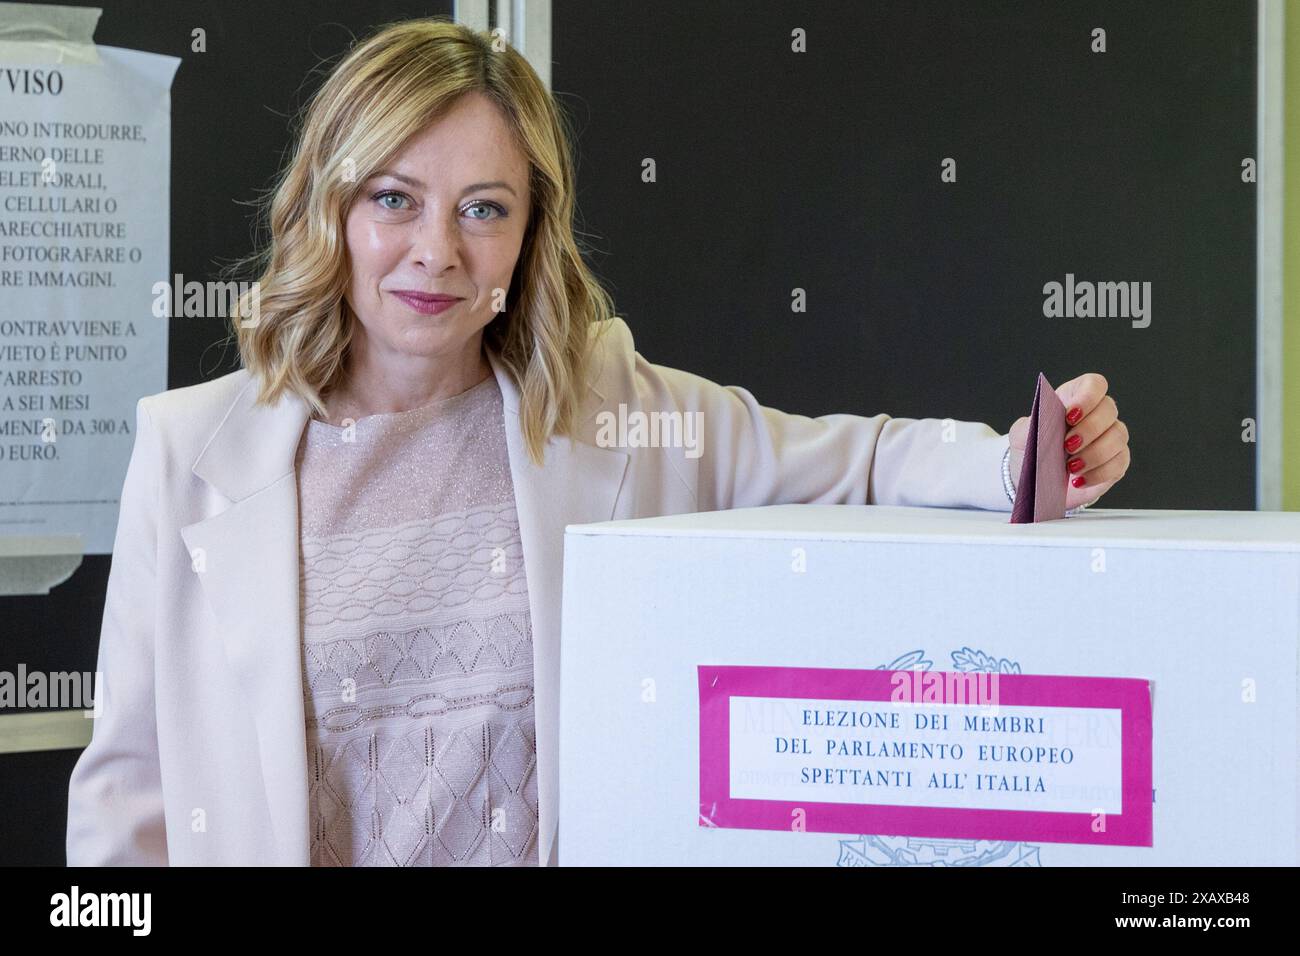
(934,754)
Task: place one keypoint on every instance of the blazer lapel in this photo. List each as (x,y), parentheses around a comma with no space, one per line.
(577,484)
(247,559)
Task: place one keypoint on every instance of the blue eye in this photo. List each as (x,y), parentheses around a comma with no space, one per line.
(501,213)
(383,196)
(389,194)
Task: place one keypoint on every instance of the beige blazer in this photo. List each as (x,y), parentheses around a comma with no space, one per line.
(199,755)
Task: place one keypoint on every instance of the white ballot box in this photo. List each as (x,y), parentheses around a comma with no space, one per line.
(878,686)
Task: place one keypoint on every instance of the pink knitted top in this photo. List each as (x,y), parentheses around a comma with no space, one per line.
(416,640)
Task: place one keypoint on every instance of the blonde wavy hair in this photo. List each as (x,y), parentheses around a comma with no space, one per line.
(387,89)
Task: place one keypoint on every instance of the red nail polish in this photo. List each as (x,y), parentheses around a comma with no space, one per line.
(1076,464)
(1073,442)
(1073,416)
(1078,481)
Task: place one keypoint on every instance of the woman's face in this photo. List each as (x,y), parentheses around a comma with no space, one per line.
(446,216)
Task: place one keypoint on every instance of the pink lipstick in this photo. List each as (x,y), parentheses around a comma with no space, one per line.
(427,303)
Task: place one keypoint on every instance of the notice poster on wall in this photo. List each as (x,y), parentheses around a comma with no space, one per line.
(85,152)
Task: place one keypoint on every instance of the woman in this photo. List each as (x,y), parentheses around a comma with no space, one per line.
(331,633)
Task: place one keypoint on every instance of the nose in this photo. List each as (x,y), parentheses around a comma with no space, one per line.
(435,244)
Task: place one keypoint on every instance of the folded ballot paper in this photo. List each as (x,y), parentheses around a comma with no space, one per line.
(1040,492)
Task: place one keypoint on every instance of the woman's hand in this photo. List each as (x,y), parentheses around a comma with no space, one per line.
(1095,438)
